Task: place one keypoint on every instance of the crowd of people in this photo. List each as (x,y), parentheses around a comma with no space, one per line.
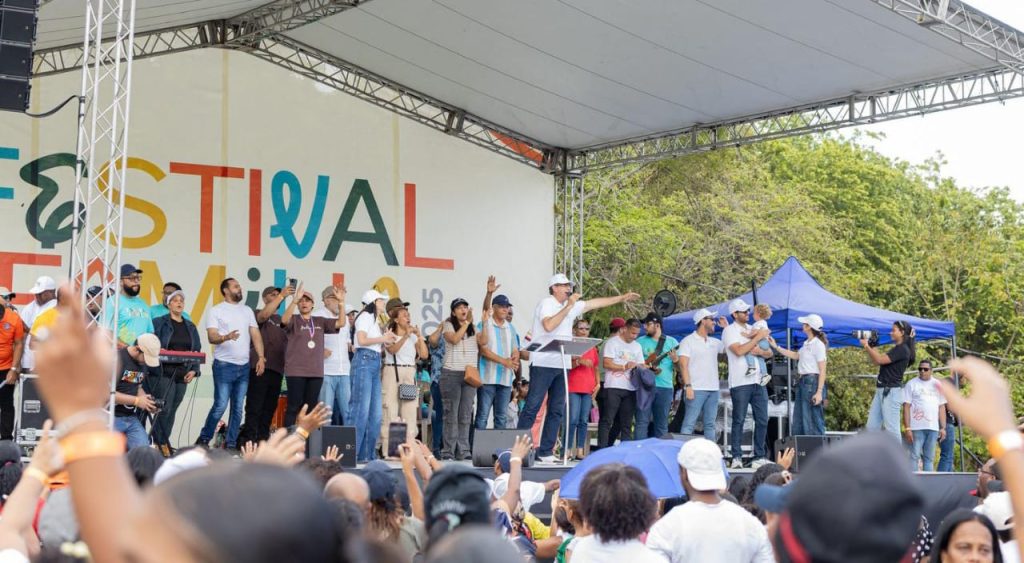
(81,497)
(375,368)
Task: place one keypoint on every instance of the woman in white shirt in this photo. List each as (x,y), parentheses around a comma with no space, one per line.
(365,405)
(400,368)
(809,407)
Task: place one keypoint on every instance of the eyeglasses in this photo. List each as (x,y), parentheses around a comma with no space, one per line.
(134,277)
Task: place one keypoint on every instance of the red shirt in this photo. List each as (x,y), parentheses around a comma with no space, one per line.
(583,379)
(11,330)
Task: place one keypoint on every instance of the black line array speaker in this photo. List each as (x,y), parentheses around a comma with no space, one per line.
(805,447)
(18,19)
(487,442)
(326,436)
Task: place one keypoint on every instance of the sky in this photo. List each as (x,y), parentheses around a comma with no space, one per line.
(981,145)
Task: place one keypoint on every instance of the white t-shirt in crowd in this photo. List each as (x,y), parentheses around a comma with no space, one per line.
(1010,551)
(367,323)
(549,307)
(225,318)
(621,353)
(710,533)
(337,363)
(812,352)
(592,550)
(406,355)
(703,360)
(733,334)
(28,316)
(924,399)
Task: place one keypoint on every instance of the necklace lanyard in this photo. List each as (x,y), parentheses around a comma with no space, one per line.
(311,328)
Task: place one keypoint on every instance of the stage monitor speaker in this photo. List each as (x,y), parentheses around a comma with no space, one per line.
(342,436)
(18,19)
(486,442)
(681,437)
(805,446)
(32,412)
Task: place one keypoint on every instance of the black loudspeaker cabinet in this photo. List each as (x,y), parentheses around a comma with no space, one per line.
(805,446)
(32,412)
(487,442)
(681,437)
(17,37)
(342,436)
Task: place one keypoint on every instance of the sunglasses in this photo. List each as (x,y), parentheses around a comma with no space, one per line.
(924,369)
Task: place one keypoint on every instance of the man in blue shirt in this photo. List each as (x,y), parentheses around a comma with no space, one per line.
(660,350)
(133,317)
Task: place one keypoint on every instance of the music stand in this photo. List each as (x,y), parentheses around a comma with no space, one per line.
(571,347)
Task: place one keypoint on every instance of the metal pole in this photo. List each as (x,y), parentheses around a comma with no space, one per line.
(959,426)
(565,380)
(789,380)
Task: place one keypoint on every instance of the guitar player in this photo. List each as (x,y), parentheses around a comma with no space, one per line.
(660,356)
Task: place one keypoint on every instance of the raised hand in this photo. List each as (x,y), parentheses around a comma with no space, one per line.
(574,298)
(73,365)
(522,446)
(333,454)
(785,458)
(281,449)
(722,322)
(631,296)
(492,284)
(249,450)
(311,420)
(340,292)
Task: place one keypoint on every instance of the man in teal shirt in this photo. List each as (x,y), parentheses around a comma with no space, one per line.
(133,316)
(663,348)
(160,309)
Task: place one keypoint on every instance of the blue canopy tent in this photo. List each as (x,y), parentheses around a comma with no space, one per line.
(792,292)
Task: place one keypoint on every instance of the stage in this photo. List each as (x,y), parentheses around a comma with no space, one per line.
(943,491)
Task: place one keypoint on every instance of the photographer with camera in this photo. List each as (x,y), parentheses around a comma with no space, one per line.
(887,404)
(133,364)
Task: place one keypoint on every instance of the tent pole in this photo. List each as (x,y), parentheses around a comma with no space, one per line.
(960,426)
(789,381)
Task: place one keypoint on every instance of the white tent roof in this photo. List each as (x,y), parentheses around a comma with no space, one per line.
(580,74)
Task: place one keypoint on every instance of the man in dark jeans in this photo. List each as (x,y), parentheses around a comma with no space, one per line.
(553,318)
(12,344)
(264,390)
(621,354)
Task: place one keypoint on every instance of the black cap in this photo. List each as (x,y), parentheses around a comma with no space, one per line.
(129,270)
(455,496)
(459,301)
(501,301)
(855,503)
(382,483)
(652,317)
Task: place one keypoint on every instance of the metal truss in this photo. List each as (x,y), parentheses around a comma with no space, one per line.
(102,152)
(281,16)
(966,26)
(918,99)
(342,75)
(569,219)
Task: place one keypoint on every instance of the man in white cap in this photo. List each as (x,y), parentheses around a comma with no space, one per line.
(12,344)
(132,364)
(553,318)
(698,362)
(745,387)
(337,388)
(45,293)
(708,529)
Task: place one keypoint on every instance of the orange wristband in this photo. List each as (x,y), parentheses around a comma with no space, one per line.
(302,432)
(88,445)
(1005,441)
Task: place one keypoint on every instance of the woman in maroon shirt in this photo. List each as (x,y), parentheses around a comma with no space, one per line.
(305,353)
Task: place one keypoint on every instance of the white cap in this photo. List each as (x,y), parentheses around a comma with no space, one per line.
(530,493)
(192,459)
(350,309)
(43,283)
(150,346)
(738,305)
(814,321)
(372,295)
(998,509)
(702,461)
(703,314)
(558,279)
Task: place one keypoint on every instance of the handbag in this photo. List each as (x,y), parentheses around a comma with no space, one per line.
(406,391)
(472,377)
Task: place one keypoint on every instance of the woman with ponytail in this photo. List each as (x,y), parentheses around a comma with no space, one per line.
(809,409)
(888,401)
(365,405)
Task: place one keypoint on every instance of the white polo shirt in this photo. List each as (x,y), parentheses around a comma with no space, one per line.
(733,334)
(703,360)
(548,307)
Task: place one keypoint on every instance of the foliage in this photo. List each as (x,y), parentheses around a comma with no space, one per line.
(868,227)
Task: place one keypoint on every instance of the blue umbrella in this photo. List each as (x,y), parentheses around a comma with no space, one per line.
(654,457)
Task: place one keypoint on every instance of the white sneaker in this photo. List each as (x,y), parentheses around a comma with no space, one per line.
(548,459)
(758,462)
(737,463)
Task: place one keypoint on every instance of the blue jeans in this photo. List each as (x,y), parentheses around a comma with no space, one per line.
(579,416)
(658,411)
(886,409)
(756,397)
(336,393)
(230,381)
(437,422)
(923,448)
(808,418)
(946,449)
(365,406)
(704,405)
(131,427)
(757,361)
(496,396)
(543,381)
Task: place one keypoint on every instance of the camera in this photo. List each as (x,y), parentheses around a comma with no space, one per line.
(870,335)
(160,403)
